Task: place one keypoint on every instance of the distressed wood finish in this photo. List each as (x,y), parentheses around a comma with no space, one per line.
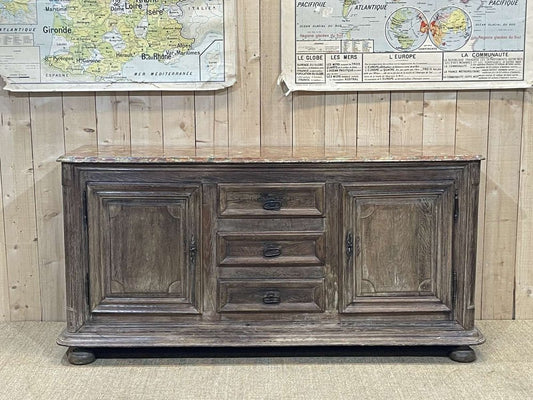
(143,244)
(398,245)
(256,200)
(270,248)
(190,254)
(271,296)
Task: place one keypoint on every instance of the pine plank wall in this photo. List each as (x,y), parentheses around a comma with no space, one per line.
(35,129)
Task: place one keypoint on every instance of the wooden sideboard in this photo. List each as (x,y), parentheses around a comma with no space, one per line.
(270,247)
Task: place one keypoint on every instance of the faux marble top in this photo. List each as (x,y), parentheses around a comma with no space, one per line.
(251,155)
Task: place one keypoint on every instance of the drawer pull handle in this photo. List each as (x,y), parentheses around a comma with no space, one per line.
(271,251)
(271,202)
(271,297)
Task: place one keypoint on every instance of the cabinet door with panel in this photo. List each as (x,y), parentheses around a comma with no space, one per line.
(398,249)
(143,248)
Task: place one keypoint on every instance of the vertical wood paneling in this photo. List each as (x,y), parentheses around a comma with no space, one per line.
(48,144)
(524,240)
(276,109)
(211,118)
(112,119)
(146,119)
(254,112)
(407,119)
(245,96)
(204,105)
(471,134)
(309,119)
(439,118)
(503,163)
(341,120)
(373,119)
(4,295)
(221,132)
(178,119)
(19,208)
(79,120)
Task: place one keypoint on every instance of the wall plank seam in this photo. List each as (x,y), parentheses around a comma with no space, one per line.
(34,189)
(481,262)
(524,261)
(4,278)
(520,177)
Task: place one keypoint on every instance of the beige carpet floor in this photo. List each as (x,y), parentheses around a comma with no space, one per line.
(33,367)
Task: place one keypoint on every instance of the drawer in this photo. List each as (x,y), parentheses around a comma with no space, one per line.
(271,200)
(275,248)
(271,295)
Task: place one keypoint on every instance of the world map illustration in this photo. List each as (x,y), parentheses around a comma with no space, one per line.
(450,28)
(411,25)
(397,44)
(406,29)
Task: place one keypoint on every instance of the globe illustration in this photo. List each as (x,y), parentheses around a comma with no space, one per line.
(450,28)
(406,29)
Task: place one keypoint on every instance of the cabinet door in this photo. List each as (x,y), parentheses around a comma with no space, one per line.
(143,248)
(398,249)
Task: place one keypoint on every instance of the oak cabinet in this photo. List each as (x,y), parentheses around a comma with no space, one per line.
(236,251)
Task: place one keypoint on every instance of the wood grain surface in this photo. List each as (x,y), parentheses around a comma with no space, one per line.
(495,124)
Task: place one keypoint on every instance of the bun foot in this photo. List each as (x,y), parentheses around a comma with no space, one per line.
(463,354)
(80,356)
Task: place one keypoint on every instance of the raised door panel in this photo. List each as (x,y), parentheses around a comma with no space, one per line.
(141,263)
(398,249)
(143,245)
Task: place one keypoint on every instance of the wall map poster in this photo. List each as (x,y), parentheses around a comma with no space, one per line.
(66,45)
(406,44)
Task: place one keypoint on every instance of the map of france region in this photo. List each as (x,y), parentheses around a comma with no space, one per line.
(102,42)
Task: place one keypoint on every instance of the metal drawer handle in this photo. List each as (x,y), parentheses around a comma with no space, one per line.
(271,202)
(271,250)
(271,297)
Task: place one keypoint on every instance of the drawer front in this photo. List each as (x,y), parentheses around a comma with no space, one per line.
(275,296)
(272,200)
(259,249)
